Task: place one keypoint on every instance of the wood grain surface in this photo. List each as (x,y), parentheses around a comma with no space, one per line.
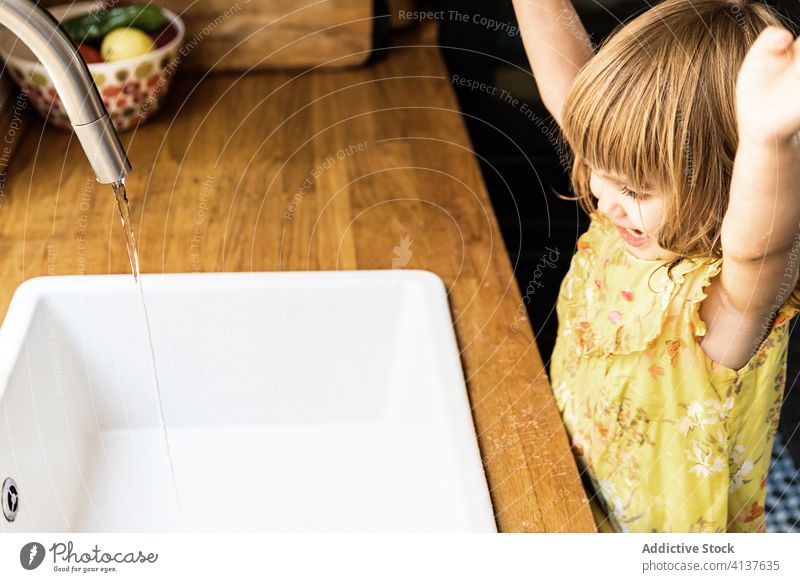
(359,169)
(230,35)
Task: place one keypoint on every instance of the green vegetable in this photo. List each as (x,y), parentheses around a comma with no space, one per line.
(96,25)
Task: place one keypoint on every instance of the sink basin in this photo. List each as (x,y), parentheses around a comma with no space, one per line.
(327,401)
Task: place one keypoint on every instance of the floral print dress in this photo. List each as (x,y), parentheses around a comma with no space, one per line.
(669,439)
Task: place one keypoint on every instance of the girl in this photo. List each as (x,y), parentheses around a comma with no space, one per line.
(670,362)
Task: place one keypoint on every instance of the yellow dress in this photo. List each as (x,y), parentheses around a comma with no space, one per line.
(669,439)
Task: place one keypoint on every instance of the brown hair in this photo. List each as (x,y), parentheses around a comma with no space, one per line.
(656,105)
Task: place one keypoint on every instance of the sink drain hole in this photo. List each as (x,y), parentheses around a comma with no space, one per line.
(10,499)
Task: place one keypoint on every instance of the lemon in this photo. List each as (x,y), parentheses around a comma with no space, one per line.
(125,43)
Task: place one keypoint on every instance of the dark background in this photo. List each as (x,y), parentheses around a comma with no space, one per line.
(519,158)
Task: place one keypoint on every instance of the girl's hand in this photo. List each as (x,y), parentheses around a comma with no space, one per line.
(768,88)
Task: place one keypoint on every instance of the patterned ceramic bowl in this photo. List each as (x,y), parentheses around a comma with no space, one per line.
(132,89)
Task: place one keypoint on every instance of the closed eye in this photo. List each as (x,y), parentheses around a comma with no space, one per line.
(635,195)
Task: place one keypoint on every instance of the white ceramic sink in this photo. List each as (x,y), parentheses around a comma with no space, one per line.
(293,401)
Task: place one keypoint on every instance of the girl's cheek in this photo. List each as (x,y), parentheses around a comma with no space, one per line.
(653,217)
(655,220)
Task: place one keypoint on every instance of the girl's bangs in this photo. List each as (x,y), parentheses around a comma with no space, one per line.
(621,123)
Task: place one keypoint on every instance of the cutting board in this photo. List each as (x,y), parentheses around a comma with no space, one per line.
(272,34)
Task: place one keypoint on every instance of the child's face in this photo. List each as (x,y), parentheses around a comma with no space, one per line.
(640,212)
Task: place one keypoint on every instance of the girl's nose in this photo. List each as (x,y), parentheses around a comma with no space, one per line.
(608,204)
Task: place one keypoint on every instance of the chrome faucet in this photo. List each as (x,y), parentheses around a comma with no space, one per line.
(37,28)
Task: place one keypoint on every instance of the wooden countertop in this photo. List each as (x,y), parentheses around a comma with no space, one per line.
(321,170)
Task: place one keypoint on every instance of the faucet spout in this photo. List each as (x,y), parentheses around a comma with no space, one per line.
(38,29)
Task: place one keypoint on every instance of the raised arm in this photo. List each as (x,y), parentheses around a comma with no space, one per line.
(760,244)
(557,47)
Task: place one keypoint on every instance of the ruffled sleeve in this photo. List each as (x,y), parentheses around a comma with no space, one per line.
(785,315)
(698,325)
(781,319)
(780,327)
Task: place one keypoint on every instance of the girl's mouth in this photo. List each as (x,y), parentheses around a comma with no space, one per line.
(633,237)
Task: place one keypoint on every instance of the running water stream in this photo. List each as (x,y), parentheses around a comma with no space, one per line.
(133,254)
